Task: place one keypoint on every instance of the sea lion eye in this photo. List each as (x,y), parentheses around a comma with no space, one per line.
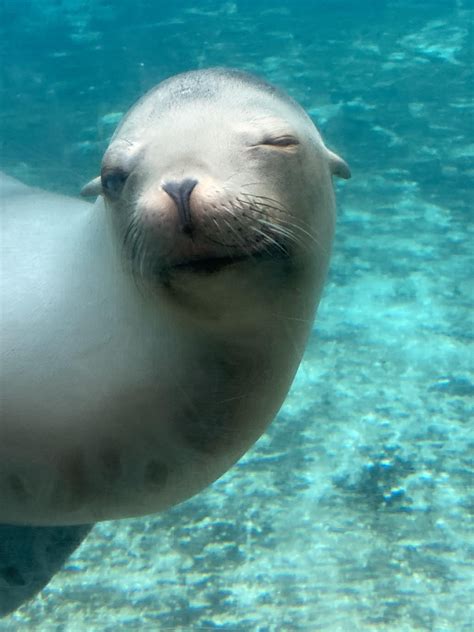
(280,141)
(113,181)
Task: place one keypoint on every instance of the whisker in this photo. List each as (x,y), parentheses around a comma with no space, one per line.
(231,227)
(293,225)
(269,241)
(283,225)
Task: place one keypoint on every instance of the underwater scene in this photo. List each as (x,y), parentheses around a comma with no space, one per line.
(354,510)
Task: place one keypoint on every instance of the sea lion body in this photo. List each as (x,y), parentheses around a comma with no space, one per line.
(149,339)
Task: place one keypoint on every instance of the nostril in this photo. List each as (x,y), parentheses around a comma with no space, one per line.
(180,192)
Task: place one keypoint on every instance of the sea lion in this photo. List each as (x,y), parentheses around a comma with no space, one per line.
(148,339)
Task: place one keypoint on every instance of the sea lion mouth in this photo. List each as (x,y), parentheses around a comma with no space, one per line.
(209,265)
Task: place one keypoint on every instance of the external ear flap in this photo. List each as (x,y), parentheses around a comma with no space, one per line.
(94,187)
(339,167)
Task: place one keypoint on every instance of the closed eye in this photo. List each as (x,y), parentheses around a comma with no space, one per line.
(280,141)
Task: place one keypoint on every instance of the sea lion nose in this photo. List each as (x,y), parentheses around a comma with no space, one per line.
(180,191)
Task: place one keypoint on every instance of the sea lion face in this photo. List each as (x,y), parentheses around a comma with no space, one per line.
(216,179)
(220,178)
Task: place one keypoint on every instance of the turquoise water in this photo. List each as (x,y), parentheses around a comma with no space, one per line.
(354,511)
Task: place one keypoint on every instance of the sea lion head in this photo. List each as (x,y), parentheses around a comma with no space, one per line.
(213,171)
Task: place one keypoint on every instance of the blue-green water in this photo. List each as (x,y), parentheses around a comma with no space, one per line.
(354,511)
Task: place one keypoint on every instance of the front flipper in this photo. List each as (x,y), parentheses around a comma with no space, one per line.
(30,556)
